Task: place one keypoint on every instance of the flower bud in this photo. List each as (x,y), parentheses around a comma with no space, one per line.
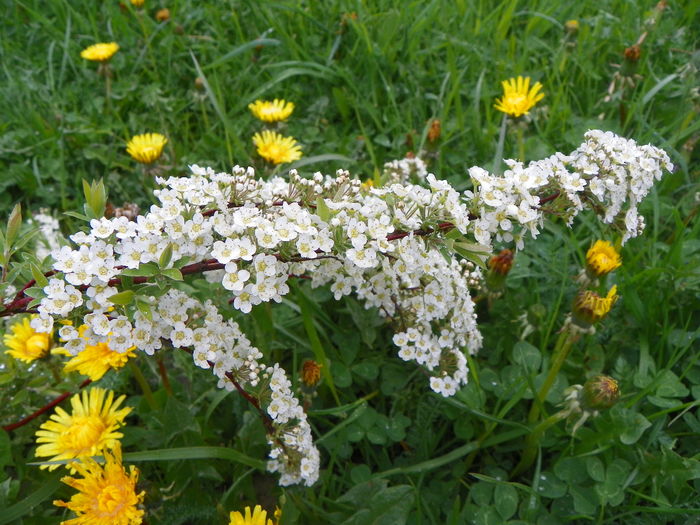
(571,26)
(600,392)
(163,15)
(434,131)
(499,266)
(589,307)
(310,373)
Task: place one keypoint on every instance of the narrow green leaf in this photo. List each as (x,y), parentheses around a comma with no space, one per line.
(174,454)
(431,464)
(23,507)
(315,159)
(316,346)
(77,215)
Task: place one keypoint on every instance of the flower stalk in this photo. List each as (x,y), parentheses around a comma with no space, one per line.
(565,341)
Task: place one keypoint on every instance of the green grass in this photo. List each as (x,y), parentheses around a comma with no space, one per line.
(367,78)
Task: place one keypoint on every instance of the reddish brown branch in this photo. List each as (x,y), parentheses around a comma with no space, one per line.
(45,408)
(266,419)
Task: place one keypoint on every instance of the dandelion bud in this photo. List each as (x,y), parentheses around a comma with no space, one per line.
(163,15)
(600,392)
(199,83)
(633,53)
(434,131)
(571,26)
(602,258)
(310,373)
(501,263)
(589,307)
(499,266)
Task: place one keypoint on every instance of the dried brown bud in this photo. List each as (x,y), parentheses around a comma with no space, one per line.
(434,131)
(163,15)
(310,373)
(501,263)
(128,210)
(600,392)
(633,53)
(499,266)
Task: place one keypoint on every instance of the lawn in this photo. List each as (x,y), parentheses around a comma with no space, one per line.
(560,419)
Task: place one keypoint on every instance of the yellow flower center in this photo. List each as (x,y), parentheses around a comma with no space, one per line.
(111,500)
(37,344)
(83,434)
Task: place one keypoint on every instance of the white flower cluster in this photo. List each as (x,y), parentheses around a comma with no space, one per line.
(293,453)
(408,169)
(50,233)
(607,173)
(387,245)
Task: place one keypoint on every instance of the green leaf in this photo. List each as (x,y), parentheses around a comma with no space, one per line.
(35,292)
(122,298)
(527,355)
(145,270)
(77,215)
(316,346)
(595,469)
(145,308)
(174,454)
(172,273)
(322,210)
(550,486)
(14,222)
(166,256)
(5,453)
(23,507)
(38,276)
(506,498)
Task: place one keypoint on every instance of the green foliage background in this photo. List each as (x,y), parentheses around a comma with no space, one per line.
(367,78)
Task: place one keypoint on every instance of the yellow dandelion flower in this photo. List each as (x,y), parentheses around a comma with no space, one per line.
(89,430)
(271,111)
(106,494)
(100,52)
(589,307)
(257,517)
(602,258)
(146,148)
(518,98)
(137,3)
(26,344)
(96,360)
(275,148)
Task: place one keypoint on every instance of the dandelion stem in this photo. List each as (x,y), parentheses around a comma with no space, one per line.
(108,89)
(521,143)
(498,157)
(561,351)
(145,387)
(532,442)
